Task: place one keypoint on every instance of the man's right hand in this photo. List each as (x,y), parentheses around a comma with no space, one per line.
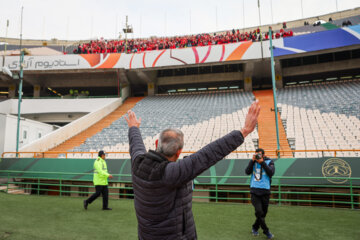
(110,176)
(251,119)
(132,121)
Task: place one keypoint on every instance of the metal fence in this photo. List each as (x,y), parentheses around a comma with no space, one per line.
(279,153)
(62,184)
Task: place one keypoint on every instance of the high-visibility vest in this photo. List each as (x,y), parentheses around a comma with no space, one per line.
(100,172)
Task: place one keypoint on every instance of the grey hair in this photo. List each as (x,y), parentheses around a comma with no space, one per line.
(170,141)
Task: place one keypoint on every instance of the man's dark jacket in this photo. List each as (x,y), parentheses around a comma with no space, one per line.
(163,189)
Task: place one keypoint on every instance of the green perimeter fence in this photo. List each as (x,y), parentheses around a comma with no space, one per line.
(344,195)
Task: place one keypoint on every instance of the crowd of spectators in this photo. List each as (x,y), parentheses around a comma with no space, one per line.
(154,43)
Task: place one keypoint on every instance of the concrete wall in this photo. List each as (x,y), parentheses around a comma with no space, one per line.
(7,106)
(39,106)
(201,78)
(321,67)
(30,131)
(61,135)
(54,117)
(2,131)
(125,92)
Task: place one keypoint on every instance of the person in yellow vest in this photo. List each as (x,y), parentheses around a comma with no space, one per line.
(101,176)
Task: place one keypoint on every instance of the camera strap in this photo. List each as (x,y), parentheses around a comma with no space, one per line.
(257,172)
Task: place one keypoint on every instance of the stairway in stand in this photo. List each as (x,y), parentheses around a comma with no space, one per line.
(267,127)
(77,140)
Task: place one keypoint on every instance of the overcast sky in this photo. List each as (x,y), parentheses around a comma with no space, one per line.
(85,19)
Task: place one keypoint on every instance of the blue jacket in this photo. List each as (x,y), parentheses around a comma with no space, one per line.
(260,176)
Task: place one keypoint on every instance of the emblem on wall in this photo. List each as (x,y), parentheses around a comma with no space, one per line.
(336,167)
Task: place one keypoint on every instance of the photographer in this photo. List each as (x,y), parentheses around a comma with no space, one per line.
(261,169)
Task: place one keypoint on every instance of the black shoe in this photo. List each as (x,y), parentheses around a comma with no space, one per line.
(85,204)
(107,209)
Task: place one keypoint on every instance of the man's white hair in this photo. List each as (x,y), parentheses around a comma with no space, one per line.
(170,141)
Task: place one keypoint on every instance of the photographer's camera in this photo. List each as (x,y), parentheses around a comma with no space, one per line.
(258,156)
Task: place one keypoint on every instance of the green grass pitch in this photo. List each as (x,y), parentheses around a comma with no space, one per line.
(51,218)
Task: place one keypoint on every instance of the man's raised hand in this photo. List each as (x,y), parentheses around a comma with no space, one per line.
(132,121)
(251,119)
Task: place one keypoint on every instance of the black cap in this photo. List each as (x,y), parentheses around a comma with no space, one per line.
(101,152)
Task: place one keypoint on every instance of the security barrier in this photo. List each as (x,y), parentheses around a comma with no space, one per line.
(346,194)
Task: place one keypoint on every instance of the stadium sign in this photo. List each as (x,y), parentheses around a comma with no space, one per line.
(36,63)
(330,39)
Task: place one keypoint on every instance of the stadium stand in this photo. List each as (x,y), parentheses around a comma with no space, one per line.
(203,117)
(99,126)
(322,116)
(140,45)
(224,37)
(314,117)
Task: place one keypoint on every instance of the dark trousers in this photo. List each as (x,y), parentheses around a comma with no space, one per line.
(104,191)
(261,204)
